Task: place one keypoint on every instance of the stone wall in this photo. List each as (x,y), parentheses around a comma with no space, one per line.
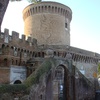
(13,51)
(4,75)
(89,70)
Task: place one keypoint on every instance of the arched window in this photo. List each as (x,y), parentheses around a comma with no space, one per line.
(43,54)
(12,61)
(16,62)
(54,53)
(66,25)
(3,46)
(5,62)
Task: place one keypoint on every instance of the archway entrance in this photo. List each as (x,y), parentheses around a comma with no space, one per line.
(17,82)
(57,86)
(61,75)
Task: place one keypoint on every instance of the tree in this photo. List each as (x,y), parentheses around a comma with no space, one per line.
(35,1)
(3,7)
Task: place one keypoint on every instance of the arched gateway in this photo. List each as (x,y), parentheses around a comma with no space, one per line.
(57,85)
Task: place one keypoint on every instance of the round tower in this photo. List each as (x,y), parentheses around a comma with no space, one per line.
(48,22)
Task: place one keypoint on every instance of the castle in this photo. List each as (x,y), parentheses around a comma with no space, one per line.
(47,26)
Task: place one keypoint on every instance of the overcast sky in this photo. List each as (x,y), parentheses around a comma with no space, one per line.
(85,24)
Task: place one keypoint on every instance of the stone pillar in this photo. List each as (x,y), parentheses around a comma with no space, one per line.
(55,90)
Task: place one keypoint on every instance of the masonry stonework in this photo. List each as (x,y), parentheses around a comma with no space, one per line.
(70,70)
(48,22)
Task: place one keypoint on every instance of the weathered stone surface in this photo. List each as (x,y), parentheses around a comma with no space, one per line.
(6,96)
(52,26)
(26,97)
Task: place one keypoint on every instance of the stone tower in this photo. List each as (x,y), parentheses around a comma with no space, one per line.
(48,22)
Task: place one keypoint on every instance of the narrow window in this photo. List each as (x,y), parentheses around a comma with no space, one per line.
(66,26)
(5,61)
(16,62)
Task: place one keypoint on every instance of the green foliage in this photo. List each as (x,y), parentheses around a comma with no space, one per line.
(34,77)
(7,88)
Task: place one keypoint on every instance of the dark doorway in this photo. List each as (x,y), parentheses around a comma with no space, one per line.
(61,74)
(17,82)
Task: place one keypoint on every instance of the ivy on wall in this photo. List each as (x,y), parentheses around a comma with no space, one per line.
(32,79)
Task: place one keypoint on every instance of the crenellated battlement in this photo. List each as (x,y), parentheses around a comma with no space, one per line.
(6,38)
(47,7)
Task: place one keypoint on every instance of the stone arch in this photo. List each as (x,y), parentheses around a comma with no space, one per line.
(39,9)
(65,82)
(72,55)
(43,54)
(64,12)
(5,62)
(12,47)
(52,8)
(54,53)
(12,61)
(49,8)
(42,9)
(36,10)
(16,62)
(56,9)
(18,50)
(61,11)
(27,53)
(7,46)
(3,46)
(52,84)
(17,82)
(33,10)
(45,8)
